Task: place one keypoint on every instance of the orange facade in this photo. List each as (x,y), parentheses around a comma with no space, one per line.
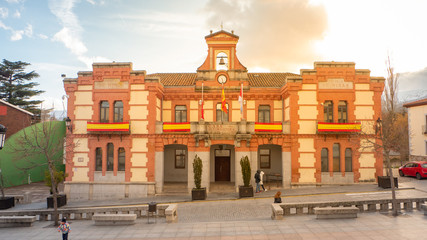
(134,132)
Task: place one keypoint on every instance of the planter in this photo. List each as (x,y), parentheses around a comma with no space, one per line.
(246,191)
(7,202)
(384,182)
(198,194)
(61,199)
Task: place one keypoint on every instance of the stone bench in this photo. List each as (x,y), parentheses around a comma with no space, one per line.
(336,212)
(277,211)
(171,213)
(114,219)
(424,208)
(17,221)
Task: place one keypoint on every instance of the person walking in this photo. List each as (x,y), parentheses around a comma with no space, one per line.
(261,183)
(64,228)
(257,180)
(277,197)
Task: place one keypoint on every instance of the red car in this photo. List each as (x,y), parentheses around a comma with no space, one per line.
(415,169)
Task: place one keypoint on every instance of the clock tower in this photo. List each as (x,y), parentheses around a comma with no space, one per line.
(222,64)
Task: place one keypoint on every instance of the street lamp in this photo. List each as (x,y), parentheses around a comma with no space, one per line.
(2,135)
(378,126)
(68,124)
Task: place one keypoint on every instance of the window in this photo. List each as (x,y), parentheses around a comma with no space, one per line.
(328,111)
(104,113)
(264,114)
(325,159)
(342,112)
(264,158)
(220,115)
(180,158)
(122,159)
(180,114)
(118,111)
(110,157)
(348,160)
(336,157)
(98,159)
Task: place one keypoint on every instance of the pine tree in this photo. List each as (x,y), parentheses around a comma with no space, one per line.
(16,86)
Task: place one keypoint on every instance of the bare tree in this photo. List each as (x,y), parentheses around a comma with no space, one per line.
(386,133)
(42,140)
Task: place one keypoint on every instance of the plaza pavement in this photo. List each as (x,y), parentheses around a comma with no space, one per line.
(223,216)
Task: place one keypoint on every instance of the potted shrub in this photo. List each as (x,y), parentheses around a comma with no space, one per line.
(198,193)
(59,177)
(246,190)
(384,182)
(5,202)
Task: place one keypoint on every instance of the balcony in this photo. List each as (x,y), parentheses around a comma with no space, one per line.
(338,128)
(424,130)
(108,128)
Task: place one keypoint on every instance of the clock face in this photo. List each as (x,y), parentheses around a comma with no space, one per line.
(222,79)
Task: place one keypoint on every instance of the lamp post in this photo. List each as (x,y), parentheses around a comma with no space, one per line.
(378,126)
(68,124)
(2,135)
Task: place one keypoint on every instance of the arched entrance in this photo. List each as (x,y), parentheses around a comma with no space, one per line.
(175,168)
(222,168)
(270,162)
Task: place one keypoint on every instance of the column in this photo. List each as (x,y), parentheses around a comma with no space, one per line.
(159,171)
(286,169)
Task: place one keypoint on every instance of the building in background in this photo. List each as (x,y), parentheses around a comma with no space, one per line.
(417,122)
(134,133)
(14,118)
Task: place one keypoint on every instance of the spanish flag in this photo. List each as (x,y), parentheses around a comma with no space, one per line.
(223,106)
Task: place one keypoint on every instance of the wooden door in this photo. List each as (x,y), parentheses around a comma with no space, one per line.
(222,168)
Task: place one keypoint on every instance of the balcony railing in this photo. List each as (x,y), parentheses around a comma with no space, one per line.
(337,128)
(108,128)
(176,127)
(268,127)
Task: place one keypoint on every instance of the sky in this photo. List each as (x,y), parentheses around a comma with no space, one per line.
(66,36)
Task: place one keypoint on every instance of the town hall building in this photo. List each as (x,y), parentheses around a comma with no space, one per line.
(135,132)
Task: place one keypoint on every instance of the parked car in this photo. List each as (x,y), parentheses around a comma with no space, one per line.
(414,169)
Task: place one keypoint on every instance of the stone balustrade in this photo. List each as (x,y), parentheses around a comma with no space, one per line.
(163,210)
(363,206)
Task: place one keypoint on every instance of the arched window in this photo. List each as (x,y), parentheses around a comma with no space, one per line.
(342,112)
(336,157)
(328,111)
(122,160)
(220,115)
(180,114)
(118,111)
(98,159)
(348,160)
(110,157)
(325,159)
(264,114)
(104,112)
(221,61)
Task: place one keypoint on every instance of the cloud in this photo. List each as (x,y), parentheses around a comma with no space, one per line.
(70,34)
(413,80)
(4,12)
(13,1)
(17,34)
(42,36)
(276,35)
(17,14)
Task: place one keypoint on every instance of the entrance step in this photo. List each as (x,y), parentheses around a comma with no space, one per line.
(175,188)
(222,187)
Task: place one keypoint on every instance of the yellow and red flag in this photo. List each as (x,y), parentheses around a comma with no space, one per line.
(223,106)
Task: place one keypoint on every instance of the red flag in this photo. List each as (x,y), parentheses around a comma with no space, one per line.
(223,106)
(203,103)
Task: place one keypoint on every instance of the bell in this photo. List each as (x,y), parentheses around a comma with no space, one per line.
(221,61)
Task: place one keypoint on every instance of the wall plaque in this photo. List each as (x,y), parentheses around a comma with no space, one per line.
(335,83)
(111,83)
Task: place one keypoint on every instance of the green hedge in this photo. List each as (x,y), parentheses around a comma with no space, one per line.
(13,174)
